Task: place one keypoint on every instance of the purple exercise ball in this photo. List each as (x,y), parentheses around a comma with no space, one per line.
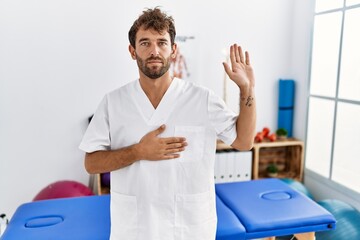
(105,179)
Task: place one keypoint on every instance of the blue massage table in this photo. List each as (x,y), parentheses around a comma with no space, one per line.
(246,210)
(266,208)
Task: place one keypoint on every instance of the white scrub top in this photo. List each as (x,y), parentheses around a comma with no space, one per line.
(168,199)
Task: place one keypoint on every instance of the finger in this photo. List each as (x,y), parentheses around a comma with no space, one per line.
(247,58)
(174,140)
(237,55)
(171,156)
(241,54)
(176,145)
(232,55)
(165,157)
(159,130)
(175,150)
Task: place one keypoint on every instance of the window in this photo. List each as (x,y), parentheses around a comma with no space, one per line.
(352,2)
(333,128)
(323,5)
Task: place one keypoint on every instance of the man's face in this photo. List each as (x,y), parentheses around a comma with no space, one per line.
(153,52)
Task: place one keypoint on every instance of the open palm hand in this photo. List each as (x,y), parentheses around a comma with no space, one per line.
(241,72)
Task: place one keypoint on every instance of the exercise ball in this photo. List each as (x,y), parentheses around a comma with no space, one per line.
(63,189)
(298,186)
(348,221)
(105,179)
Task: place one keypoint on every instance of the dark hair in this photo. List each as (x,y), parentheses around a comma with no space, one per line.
(154,19)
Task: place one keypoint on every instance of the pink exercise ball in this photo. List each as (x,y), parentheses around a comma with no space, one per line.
(63,189)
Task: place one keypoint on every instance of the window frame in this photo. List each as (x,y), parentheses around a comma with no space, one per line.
(328,181)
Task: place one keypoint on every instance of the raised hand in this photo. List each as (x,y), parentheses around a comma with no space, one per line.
(240,71)
(152,147)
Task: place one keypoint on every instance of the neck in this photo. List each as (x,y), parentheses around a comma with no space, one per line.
(155,89)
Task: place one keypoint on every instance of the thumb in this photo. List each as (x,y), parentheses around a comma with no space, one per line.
(227,68)
(159,130)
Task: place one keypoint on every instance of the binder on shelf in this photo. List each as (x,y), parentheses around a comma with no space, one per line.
(243,166)
(230,161)
(233,166)
(216,168)
(221,165)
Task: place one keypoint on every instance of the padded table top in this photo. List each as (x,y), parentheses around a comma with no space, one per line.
(269,207)
(228,226)
(88,218)
(81,218)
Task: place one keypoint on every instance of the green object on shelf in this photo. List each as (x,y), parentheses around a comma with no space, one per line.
(282,132)
(272,168)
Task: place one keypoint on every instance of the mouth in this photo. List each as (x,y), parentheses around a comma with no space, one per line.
(154,61)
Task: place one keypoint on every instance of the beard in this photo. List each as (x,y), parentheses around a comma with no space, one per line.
(153,72)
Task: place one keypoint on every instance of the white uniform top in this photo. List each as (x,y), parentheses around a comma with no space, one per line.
(169,199)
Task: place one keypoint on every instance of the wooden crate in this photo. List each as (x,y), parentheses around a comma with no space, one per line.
(288,155)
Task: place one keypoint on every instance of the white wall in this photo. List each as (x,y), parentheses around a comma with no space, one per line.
(300,61)
(58,58)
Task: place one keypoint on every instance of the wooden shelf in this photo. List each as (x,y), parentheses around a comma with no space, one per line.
(287,154)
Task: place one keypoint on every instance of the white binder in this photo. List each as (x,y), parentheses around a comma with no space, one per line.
(233,166)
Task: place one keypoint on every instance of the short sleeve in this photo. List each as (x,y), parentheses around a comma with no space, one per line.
(97,135)
(222,118)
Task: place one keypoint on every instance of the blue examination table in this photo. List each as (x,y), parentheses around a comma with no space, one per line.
(246,210)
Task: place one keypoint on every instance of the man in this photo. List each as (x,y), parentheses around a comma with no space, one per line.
(157,136)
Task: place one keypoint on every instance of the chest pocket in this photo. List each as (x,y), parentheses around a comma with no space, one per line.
(195,138)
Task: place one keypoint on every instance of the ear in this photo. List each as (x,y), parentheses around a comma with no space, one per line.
(174,50)
(132,52)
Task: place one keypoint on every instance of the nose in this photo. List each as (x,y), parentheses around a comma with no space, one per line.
(154,51)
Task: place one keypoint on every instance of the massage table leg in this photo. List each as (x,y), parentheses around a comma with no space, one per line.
(305,236)
(300,236)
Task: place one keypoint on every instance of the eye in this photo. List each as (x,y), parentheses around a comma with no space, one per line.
(145,44)
(163,43)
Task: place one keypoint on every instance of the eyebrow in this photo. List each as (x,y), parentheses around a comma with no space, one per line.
(163,40)
(143,39)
